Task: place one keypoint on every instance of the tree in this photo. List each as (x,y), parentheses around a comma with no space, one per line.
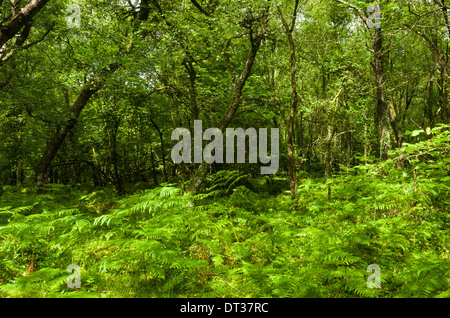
(62,130)
(382,112)
(288,29)
(255,26)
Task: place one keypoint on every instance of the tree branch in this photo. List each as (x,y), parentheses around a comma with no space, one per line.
(8,31)
(199,7)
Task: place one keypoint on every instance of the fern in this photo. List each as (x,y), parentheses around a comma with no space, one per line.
(234,242)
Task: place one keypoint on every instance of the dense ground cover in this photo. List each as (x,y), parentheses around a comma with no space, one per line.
(235,242)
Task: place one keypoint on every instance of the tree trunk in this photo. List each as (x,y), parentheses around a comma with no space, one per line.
(328,158)
(163,151)
(192,89)
(382,111)
(115,158)
(61,132)
(26,15)
(238,84)
(294,103)
(398,134)
(152,159)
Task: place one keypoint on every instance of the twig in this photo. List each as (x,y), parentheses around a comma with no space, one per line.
(232,286)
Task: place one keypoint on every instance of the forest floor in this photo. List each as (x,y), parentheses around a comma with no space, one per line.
(227,242)
(373,230)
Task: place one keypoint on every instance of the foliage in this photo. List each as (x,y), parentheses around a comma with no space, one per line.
(166,243)
(97,105)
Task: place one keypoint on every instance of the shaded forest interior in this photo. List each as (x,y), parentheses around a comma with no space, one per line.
(91,92)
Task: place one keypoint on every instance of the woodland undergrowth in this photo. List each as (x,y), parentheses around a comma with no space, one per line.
(231,241)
